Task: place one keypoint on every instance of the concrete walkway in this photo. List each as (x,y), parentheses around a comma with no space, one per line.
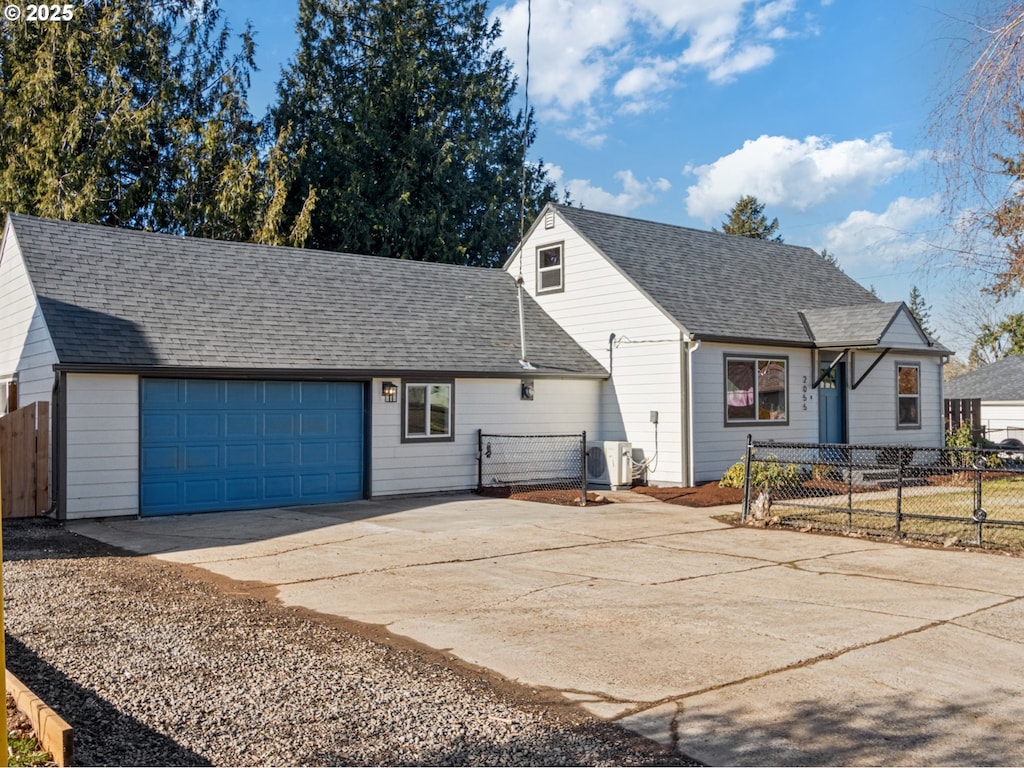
(739,646)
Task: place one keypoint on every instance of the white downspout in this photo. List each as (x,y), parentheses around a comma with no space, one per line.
(522,328)
(692,345)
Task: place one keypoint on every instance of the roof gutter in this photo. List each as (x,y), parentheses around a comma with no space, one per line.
(316,374)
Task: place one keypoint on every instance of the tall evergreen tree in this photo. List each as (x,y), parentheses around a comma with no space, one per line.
(829,257)
(747,218)
(920,310)
(133,113)
(401,110)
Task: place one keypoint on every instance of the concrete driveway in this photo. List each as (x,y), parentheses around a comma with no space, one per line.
(739,646)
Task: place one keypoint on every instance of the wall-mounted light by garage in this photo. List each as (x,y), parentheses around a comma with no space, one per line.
(526,389)
(389,392)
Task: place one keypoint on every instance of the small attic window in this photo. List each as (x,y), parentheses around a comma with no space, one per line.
(550,269)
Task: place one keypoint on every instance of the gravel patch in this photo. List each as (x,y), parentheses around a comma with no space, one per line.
(154,663)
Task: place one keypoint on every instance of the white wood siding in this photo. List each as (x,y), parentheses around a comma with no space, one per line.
(903,334)
(560,406)
(645,359)
(102,446)
(1002,419)
(872,406)
(716,446)
(25,344)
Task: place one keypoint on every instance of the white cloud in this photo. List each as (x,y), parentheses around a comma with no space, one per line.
(746,59)
(768,16)
(794,173)
(634,194)
(866,238)
(590,55)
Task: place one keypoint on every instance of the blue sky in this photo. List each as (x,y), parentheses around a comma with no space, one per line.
(671,110)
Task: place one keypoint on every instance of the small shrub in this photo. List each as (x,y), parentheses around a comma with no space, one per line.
(824,472)
(763,474)
(962,437)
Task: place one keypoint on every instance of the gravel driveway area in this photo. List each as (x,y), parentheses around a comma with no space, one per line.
(156,663)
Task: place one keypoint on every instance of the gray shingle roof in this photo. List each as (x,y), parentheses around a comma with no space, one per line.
(722,286)
(859,325)
(120,297)
(1001,380)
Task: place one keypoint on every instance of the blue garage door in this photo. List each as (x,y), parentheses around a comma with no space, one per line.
(215,445)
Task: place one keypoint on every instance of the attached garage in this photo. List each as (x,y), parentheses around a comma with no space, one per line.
(211,445)
(193,376)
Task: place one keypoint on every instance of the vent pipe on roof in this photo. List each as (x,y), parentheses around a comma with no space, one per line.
(522,329)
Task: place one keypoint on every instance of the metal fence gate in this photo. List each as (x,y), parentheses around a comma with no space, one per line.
(522,463)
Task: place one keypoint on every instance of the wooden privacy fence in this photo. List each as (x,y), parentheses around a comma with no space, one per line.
(25,461)
(960,412)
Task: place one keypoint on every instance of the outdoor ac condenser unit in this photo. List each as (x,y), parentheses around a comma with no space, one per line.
(608,463)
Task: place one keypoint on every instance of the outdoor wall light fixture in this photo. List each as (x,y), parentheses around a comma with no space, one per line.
(389,391)
(526,390)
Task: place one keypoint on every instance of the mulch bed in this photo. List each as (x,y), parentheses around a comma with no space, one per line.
(706,495)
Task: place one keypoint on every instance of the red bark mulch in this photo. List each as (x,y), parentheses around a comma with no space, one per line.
(706,495)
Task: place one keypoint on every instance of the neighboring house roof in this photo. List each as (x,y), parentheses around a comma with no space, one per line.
(1001,380)
(114,297)
(727,287)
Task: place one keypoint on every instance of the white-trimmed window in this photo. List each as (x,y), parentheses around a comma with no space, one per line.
(756,390)
(9,395)
(427,411)
(908,395)
(550,268)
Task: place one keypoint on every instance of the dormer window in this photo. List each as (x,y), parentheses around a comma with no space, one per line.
(550,269)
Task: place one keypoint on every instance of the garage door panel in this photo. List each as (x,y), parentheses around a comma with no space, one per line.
(202,457)
(209,445)
(315,423)
(203,392)
(315,454)
(279,453)
(281,393)
(201,491)
(316,485)
(279,424)
(242,456)
(241,394)
(242,489)
(160,392)
(160,426)
(316,394)
(241,425)
(159,457)
(280,486)
(199,425)
(160,494)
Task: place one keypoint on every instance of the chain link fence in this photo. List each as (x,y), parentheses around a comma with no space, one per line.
(513,464)
(966,496)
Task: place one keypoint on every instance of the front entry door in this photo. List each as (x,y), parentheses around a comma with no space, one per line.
(832,405)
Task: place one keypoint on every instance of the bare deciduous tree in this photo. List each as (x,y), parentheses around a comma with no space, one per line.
(977,129)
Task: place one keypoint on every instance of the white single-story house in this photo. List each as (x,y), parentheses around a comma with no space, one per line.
(1000,387)
(188,375)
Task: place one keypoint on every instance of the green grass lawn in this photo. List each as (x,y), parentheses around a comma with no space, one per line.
(1002,499)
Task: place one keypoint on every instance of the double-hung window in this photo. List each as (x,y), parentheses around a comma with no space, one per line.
(908,397)
(756,390)
(550,268)
(427,413)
